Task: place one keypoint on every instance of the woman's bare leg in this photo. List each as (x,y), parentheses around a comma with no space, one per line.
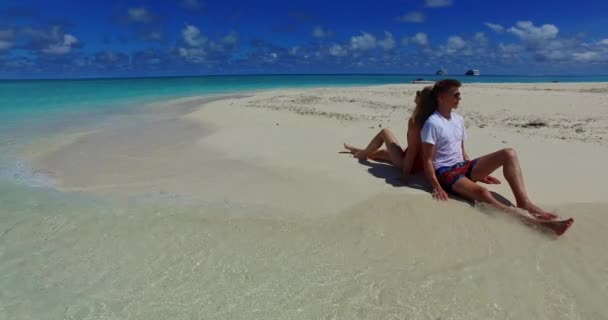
(380,155)
(385,136)
(507,159)
(473,191)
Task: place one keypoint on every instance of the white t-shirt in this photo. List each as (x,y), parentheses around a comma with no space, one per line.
(447,135)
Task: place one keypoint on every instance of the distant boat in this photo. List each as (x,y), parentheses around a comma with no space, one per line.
(422,81)
(472,72)
(441,72)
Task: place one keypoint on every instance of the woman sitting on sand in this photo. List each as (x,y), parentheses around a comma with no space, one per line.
(410,159)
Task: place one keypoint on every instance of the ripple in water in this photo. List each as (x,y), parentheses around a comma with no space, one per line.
(21,173)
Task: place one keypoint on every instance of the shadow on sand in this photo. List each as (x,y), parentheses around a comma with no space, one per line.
(392,176)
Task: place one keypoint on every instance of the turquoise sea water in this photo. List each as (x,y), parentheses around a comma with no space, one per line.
(37,95)
(34,108)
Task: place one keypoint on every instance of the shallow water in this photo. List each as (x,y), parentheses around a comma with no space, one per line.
(71,256)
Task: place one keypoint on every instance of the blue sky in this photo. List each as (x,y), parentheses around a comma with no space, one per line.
(62,39)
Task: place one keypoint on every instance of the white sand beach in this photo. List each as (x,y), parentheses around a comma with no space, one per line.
(245,208)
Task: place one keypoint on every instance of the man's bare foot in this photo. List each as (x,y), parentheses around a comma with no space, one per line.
(544,216)
(558,227)
(537,212)
(356,152)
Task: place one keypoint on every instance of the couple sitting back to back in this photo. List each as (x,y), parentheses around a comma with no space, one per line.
(435,145)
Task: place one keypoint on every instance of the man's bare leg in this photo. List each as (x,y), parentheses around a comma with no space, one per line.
(470,190)
(507,159)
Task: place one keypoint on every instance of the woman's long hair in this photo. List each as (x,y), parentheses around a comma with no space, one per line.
(426,104)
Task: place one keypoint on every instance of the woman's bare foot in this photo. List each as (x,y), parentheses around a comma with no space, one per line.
(537,212)
(558,227)
(356,152)
(351,148)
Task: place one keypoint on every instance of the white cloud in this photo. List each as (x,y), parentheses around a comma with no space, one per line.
(231,39)
(468,52)
(526,31)
(588,52)
(62,47)
(81,62)
(319,32)
(454,44)
(153,35)
(194,55)
(193,37)
(388,42)
(421,39)
(337,51)
(438,3)
(69,39)
(139,15)
(510,48)
(7,34)
(496,27)
(363,42)
(412,16)
(587,56)
(543,43)
(198,48)
(271,57)
(480,37)
(19,62)
(510,51)
(553,50)
(5,45)
(191,4)
(34,33)
(6,39)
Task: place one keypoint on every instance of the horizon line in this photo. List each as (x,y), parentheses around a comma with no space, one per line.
(298,74)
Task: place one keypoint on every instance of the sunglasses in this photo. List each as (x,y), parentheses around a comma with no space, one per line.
(456,95)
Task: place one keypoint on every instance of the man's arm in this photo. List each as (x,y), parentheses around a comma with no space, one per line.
(465,156)
(428,151)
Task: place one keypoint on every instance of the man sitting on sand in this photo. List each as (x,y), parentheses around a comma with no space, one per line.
(449,169)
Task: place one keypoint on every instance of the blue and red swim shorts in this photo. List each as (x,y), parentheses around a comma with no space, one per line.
(448,175)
